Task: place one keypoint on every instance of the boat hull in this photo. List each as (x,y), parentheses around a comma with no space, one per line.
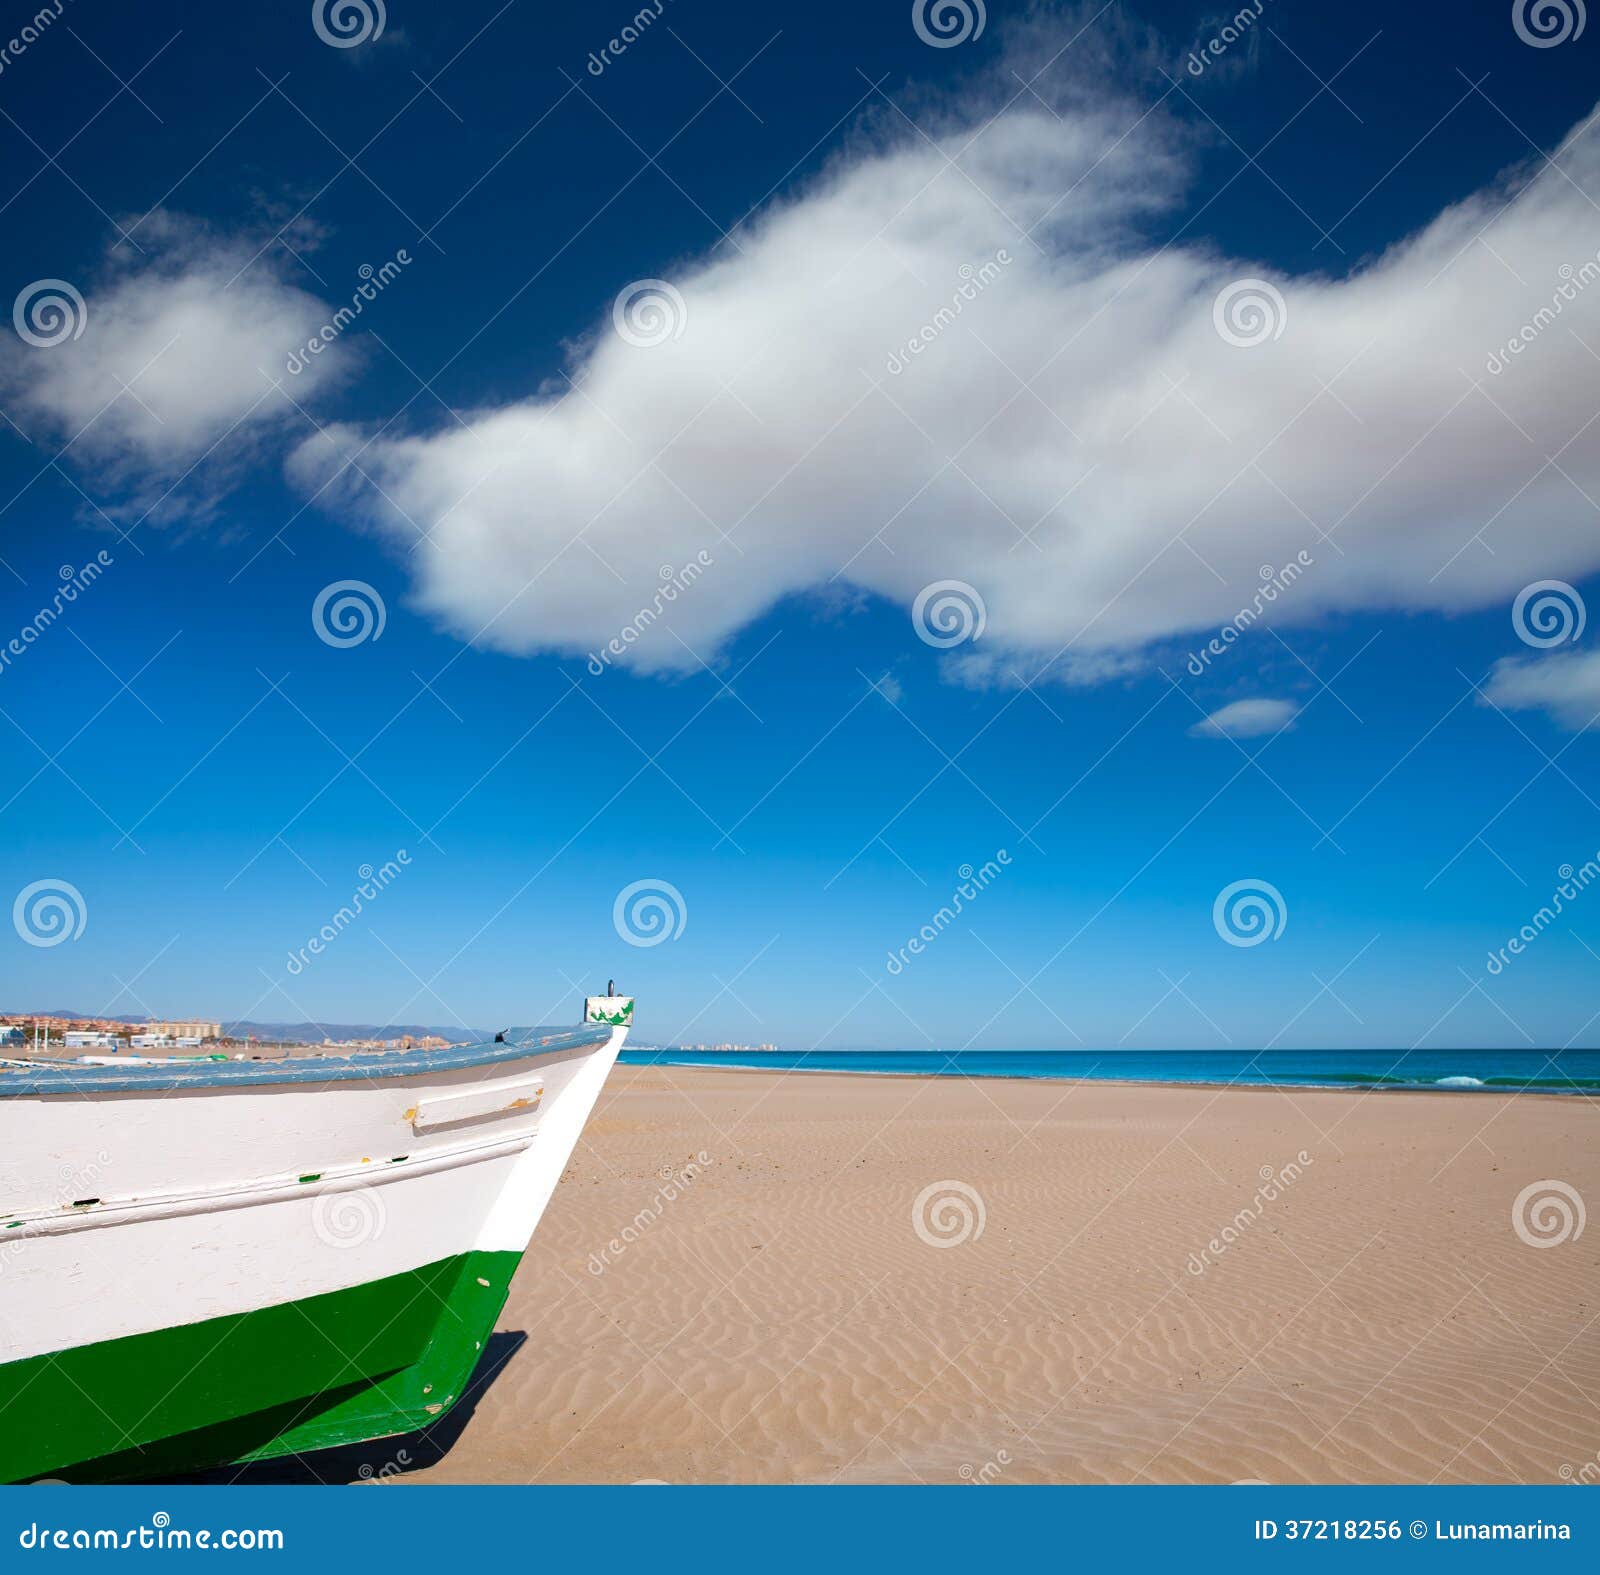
(208,1274)
(367,1362)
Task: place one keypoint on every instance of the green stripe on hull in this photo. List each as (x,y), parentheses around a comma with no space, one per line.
(377,1359)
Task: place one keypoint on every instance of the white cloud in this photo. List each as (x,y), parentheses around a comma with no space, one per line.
(1566,685)
(176,363)
(1246,719)
(1074,438)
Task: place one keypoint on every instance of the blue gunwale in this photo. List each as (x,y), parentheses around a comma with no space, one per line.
(68,1077)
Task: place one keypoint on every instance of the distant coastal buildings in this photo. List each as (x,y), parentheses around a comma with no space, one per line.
(194,1029)
(727,1047)
(404,1042)
(41,1032)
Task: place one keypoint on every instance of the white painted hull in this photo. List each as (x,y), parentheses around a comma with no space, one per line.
(345,1231)
(201,1209)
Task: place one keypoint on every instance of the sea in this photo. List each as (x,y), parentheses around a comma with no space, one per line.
(1462,1071)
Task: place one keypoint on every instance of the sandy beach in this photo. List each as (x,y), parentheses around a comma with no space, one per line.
(735,1283)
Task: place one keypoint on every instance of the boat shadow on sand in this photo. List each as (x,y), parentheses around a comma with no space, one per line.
(381,1459)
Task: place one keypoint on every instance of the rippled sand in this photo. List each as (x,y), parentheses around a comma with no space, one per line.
(782,1319)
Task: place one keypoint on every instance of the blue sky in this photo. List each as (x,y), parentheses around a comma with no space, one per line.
(779,751)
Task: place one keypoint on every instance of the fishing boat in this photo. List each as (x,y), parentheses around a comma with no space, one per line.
(210,1262)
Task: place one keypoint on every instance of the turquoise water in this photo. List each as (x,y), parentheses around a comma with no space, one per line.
(1466,1071)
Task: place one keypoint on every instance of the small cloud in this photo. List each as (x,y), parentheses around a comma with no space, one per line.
(1566,686)
(1246,719)
(890,688)
(994,670)
(170,361)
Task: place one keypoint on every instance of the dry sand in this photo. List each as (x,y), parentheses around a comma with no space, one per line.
(782,1320)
